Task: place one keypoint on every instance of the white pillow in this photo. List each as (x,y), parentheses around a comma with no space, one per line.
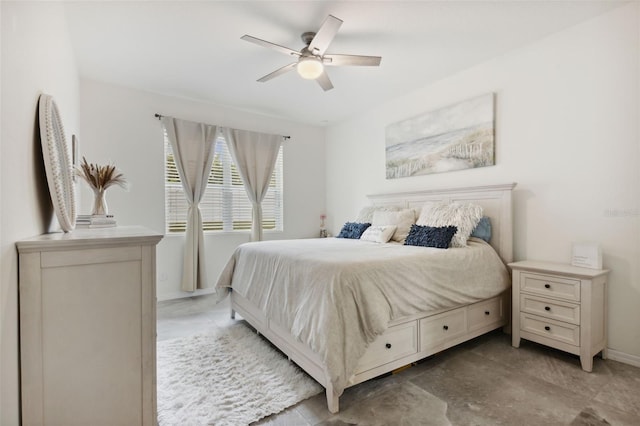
(366,213)
(464,216)
(378,234)
(403,219)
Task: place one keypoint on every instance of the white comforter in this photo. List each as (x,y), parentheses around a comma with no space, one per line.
(336,295)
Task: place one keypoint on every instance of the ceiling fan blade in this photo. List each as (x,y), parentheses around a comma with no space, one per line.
(324,81)
(278,72)
(270,45)
(325,35)
(338,60)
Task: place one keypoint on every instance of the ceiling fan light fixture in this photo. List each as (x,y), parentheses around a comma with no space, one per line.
(310,68)
(312,58)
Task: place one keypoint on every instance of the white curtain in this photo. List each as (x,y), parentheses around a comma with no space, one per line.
(255,155)
(193,149)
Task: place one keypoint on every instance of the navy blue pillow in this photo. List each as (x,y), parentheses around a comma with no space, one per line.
(483,229)
(428,236)
(353,230)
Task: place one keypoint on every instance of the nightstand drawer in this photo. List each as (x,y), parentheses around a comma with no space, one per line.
(484,314)
(550,286)
(554,309)
(436,330)
(555,330)
(397,342)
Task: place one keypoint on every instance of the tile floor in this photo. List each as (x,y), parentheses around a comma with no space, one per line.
(482,382)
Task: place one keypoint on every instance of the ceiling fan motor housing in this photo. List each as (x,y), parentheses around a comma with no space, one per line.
(307,37)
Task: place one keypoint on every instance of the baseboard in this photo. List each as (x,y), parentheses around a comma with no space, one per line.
(184,294)
(625,358)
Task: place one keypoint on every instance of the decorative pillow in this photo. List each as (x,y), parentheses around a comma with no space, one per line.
(483,229)
(353,230)
(378,234)
(428,236)
(366,213)
(403,219)
(465,217)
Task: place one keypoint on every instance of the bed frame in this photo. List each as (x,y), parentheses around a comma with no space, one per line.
(410,339)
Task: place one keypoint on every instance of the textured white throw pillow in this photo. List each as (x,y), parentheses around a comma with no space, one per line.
(464,216)
(366,213)
(378,234)
(403,219)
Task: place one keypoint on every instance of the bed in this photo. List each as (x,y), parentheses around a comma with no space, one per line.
(348,310)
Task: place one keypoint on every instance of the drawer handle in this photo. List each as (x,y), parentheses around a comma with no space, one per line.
(546,308)
(388,345)
(547,286)
(445,327)
(546,327)
(487,312)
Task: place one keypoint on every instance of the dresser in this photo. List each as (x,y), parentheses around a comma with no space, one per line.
(561,306)
(87,327)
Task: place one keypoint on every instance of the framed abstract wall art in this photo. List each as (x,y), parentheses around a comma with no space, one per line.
(455,137)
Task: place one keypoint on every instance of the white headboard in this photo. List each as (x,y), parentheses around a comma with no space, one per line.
(494,199)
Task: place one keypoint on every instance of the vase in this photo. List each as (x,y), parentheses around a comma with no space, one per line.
(99,203)
(323,230)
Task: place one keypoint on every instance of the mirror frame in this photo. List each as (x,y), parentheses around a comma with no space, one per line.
(57,163)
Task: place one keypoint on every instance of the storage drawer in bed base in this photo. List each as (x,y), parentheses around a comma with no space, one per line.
(311,363)
(463,323)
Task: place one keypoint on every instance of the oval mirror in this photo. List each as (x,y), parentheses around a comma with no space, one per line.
(57,163)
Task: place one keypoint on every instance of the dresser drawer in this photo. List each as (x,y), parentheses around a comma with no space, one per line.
(550,286)
(485,313)
(397,342)
(436,330)
(554,309)
(555,330)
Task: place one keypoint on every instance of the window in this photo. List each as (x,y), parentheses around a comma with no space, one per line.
(225,206)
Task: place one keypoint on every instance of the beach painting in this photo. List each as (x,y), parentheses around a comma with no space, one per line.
(456,137)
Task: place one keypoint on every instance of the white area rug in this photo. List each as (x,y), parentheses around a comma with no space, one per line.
(228,377)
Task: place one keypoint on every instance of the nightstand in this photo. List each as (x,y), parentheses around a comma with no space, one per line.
(561,306)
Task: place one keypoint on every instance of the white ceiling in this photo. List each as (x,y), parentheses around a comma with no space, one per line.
(193,49)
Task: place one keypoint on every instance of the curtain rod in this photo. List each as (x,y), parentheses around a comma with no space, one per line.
(159,116)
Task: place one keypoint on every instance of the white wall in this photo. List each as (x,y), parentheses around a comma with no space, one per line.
(118,126)
(36,58)
(567,132)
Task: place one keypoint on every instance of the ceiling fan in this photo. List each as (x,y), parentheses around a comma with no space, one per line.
(312,59)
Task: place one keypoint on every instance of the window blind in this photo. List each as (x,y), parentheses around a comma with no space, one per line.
(225,206)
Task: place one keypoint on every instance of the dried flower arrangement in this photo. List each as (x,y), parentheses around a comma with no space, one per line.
(99,179)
